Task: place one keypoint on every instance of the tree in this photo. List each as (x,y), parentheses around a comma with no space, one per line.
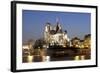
(39,43)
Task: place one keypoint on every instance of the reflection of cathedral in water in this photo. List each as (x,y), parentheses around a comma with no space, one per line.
(55,34)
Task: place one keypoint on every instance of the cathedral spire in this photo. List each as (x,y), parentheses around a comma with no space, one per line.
(57,20)
(58,26)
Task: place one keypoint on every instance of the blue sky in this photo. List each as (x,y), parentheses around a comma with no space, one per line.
(76,24)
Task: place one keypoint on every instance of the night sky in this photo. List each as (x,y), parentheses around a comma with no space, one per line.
(33,22)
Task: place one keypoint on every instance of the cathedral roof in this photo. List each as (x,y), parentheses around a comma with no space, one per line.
(52,32)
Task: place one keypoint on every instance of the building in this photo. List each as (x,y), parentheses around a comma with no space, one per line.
(55,35)
(81,44)
(87,41)
(27,48)
(75,42)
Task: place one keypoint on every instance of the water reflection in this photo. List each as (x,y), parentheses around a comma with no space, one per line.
(30,59)
(43,55)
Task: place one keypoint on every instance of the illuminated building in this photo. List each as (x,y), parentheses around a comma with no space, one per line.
(27,48)
(87,41)
(81,43)
(75,42)
(54,35)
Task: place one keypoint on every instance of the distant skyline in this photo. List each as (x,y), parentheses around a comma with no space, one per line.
(33,23)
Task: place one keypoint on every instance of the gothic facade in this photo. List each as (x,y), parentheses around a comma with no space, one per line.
(54,34)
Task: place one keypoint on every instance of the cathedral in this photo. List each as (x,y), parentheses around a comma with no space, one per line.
(55,35)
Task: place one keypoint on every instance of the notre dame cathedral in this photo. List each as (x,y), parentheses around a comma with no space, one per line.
(54,34)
